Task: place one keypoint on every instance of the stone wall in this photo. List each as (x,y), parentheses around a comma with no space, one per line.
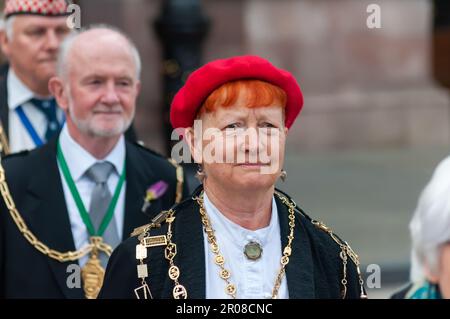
(363,87)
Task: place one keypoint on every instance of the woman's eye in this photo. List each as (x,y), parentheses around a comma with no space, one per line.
(232,126)
(267,124)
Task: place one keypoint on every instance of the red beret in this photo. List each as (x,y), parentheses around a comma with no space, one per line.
(202,82)
(36,7)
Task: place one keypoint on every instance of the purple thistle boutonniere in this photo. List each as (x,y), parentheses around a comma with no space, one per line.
(155,191)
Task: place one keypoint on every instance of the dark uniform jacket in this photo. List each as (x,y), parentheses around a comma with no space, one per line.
(315,269)
(36,187)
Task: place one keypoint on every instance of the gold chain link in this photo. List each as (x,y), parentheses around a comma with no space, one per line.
(288,249)
(180,180)
(4,145)
(220,260)
(33,240)
(179,291)
(346,250)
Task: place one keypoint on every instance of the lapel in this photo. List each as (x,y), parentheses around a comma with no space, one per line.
(47,211)
(4,111)
(299,271)
(139,178)
(188,236)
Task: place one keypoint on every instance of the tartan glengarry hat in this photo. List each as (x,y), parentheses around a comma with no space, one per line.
(36,7)
(202,82)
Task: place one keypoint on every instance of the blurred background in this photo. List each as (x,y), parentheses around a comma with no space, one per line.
(376,119)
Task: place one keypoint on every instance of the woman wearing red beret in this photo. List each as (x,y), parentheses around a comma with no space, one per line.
(237,236)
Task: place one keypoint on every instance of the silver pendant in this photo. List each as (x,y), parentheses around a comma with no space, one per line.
(253,250)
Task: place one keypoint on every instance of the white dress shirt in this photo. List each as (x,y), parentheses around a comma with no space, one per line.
(253,279)
(20,94)
(79,161)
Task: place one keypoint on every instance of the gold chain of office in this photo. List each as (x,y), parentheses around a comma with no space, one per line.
(96,244)
(224,273)
(34,241)
(4,145)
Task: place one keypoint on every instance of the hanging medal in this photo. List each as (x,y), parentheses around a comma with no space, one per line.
(92,272)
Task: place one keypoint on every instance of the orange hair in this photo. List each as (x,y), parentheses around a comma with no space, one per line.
(258,94)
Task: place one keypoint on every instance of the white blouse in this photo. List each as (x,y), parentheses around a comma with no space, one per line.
(253,279)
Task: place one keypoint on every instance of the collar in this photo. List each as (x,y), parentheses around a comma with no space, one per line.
(238,234)
(424,289)
(84,160)
(18,92)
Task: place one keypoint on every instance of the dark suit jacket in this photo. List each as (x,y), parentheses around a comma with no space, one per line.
(314,271)
(130,134)
(35,183)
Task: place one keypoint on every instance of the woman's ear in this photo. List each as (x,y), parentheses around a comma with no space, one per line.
(194,146)
(430,275)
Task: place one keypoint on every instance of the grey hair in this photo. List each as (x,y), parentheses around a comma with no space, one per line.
(430,224)
(66,46)
(6,25)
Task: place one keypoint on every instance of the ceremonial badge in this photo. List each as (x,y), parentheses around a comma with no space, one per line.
(253,250)
(92,274)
